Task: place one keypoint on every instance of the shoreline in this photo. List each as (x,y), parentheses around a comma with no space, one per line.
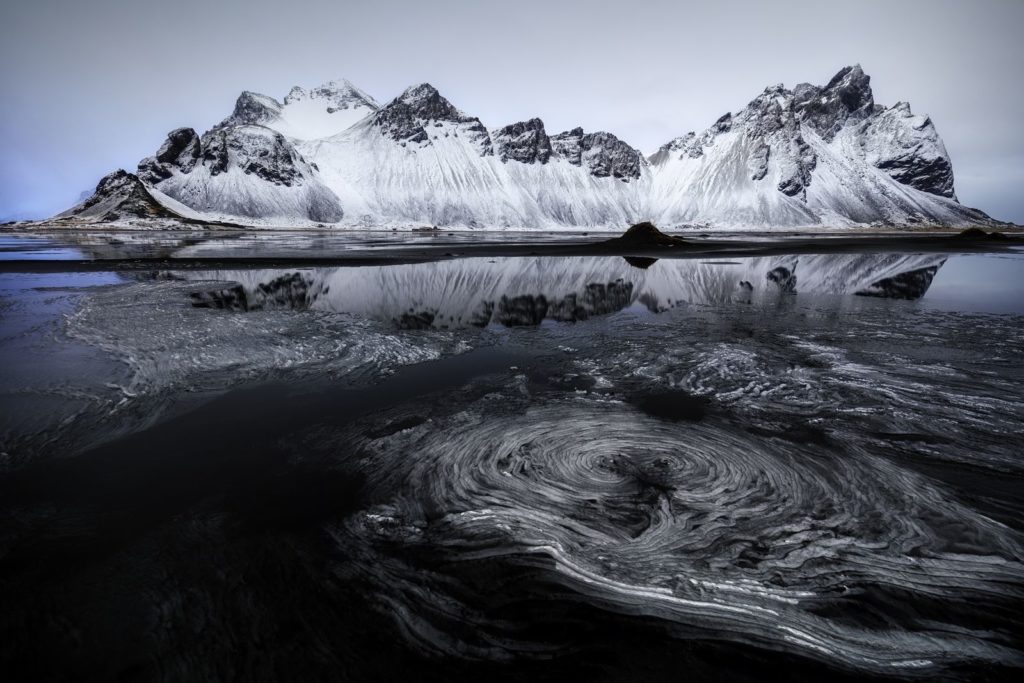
(678,248)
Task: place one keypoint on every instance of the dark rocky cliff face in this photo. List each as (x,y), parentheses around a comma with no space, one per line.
(847,96)
(603,154)
(182,150)
(525,142)
(256,150)
(934,175)
(909,149)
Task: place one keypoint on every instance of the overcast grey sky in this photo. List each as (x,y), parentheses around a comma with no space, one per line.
(90,86)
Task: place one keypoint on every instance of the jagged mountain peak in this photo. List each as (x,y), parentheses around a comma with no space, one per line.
(246,170)
(846,96)
(253,108)
(425,102)
(406,118)
(419,92)
(849,76)
(337,94)
(825,109)
(777,89)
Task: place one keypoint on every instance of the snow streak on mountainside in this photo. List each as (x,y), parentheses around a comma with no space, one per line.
(809,156)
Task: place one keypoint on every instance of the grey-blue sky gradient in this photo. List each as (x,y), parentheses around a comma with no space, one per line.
(92,86)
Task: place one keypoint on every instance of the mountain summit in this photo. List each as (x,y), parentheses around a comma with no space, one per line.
(807,156)
(304,114)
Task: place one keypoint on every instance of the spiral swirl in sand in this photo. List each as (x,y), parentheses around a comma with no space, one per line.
(715,532)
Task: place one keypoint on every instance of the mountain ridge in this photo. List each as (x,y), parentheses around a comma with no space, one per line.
(801,157)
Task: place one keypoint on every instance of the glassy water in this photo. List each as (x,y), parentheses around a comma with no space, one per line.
(515,466)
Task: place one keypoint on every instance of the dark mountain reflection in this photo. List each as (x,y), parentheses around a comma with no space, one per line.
(526,291)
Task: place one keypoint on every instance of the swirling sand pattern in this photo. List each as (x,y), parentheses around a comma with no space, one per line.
(716,532)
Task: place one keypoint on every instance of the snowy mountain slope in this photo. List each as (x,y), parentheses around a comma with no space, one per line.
(122,198)
(247,169)
(810,156)
(242,171)
(419,159)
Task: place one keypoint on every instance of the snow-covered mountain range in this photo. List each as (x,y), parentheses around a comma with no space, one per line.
(810,156)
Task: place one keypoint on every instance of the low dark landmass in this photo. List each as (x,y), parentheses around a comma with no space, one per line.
(641,245)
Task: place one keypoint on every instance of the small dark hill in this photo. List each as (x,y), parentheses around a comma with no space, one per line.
(644,235)
(979,234)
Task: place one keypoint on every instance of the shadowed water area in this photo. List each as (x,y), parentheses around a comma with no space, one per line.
(223,459)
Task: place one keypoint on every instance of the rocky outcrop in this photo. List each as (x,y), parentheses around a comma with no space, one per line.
(119,195)
(525,142)
(408,118)
(909,149)
(253,109)
(181,151)
(254,150)
(797,164)
(603,154)
(826,110)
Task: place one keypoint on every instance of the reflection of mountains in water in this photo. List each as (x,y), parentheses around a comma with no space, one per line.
(526,291)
